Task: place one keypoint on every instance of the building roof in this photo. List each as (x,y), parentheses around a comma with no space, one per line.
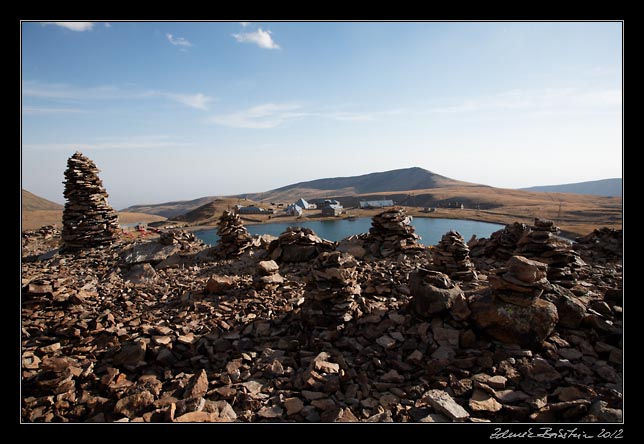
(302,203)
(376,203)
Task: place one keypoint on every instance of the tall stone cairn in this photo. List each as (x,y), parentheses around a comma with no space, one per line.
(88,220)
(233,236)
(452,256)
(391,232)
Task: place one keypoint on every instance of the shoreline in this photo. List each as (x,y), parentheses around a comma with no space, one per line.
(415,212)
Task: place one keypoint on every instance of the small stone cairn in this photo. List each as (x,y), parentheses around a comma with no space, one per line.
(391,232)
(452,256)
(233,236)
(335,286)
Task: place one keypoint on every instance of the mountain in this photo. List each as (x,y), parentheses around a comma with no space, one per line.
(31,202)
(605,187)
(406,179)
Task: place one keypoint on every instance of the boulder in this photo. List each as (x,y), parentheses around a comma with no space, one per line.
(515,324)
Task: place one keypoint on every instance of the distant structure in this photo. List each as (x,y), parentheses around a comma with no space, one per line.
(293,210)
(251,209)
(376,203)
(305,205)
(88,220)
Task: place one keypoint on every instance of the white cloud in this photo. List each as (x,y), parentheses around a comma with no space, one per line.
(269,115)
(244,24)
(73,26)
(59,91)
(181,42)
(260,37)
(107,24)
(198,101)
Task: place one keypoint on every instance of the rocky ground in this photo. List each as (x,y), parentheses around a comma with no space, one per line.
(298,329)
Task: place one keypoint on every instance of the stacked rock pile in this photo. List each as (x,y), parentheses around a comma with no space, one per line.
(233,236)
(88,220)
(542,243)
(602,245)
(335,286)
(452,256)
(513,311)
(298,244)
(501,244)
(181,237)
(391,232)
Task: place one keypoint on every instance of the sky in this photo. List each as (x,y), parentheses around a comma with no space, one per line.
(180,110)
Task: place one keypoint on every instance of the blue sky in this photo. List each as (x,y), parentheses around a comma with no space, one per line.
(180,110)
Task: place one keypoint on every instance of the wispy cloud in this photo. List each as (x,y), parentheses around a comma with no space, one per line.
(107,24)
(198,101)
(181,42)
(269,115)
(260,37)
(73,26)
(142,142)
(57,91)
(37,110)
(272,115)
(542,101)
(244,24)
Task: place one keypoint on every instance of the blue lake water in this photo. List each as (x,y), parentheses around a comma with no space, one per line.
(429,229)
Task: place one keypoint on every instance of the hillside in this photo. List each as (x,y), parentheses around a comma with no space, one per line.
(210,212)
(171,209)
(394,180)
(605,187)
(32,202)
(33,219)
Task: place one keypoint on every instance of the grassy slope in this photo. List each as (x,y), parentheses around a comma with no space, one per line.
(32,219)
(32,202)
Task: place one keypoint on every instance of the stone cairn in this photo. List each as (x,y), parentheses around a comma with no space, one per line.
(391,232)
(541,243)
(501,244)
(512,311)
(233,236)
(452,256)
(602,245)
(88,220)
(334,289)
(185,239)
(434,293)
(298,244)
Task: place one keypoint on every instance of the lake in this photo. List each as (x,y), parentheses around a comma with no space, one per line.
(431,230)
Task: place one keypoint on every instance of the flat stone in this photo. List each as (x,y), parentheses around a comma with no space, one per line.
(132,405)
(270,412)
(497,382)
(197,385)
(483,402)
(442,402)
(293,406)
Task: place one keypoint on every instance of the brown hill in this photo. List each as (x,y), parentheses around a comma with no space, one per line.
(32,202)
(33,219)
(405,180)
(209,213)
(171,209)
